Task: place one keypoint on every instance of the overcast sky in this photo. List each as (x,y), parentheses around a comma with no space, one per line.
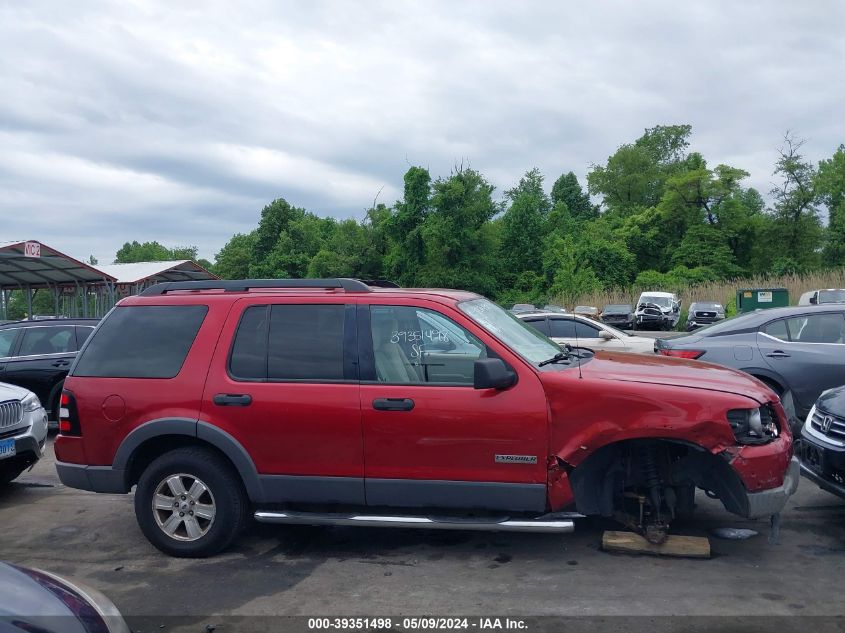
(156,121)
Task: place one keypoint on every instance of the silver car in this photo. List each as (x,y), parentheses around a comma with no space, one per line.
(23,431)
(798,351)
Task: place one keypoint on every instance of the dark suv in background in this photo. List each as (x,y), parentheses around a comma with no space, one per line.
(37,355)
(704,313)
(620,315)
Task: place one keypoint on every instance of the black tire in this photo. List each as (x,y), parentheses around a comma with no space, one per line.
(223,487)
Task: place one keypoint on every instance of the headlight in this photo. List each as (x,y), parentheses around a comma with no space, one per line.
(753,426)
(31,403)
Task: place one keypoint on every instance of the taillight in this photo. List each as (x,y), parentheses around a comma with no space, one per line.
(68,415)
(682,353)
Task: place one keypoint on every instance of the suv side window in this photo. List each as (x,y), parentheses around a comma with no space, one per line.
(289,342)
(7,340)
(419,346)
(48,340)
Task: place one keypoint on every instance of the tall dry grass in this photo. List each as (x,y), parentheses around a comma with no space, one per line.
(721,291)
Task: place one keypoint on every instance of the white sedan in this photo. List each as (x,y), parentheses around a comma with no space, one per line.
(583,332)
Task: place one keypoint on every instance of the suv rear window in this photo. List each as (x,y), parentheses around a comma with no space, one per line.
(142,342)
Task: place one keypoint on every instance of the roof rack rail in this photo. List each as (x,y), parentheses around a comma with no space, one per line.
(242,285)
(380,283)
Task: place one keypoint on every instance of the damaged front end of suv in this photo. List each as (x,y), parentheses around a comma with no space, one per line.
(642,463)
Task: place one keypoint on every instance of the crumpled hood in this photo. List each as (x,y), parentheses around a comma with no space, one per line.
(662,370)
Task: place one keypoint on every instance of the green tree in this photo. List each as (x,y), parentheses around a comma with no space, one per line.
(405,250)
(634,176)
(796,228)
(275,218)
(460,248)
(568,190)
(522,227)
(830,185)
(135,251)
(232,262)
(571,275)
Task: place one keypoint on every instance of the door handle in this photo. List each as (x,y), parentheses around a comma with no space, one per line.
(393,404)
(232,399)
(61,363)
(778,354)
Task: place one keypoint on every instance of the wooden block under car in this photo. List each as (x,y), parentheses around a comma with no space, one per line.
(632,543)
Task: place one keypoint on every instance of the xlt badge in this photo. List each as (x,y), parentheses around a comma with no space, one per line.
(516,459)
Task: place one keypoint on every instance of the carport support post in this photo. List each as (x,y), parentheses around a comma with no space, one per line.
(28,302)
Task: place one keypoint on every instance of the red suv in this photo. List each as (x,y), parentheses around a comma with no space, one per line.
(335,402)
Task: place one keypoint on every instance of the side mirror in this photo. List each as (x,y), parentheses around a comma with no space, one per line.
(492,373)
(605,335)
(814,300)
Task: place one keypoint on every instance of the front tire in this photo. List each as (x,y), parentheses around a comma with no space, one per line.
(191,503)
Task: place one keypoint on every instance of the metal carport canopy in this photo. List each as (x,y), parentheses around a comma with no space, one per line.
(36,265)
(154,272)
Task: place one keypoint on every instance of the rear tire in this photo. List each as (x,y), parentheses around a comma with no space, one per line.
(191,503)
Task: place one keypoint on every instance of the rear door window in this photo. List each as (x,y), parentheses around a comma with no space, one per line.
(305,342)
(539,323)
(562,328)
(38,341)
(817,328)
(142,342)
(248,360)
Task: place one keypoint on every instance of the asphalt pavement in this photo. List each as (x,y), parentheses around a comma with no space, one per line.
(275,570)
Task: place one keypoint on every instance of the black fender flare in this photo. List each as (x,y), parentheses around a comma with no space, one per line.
(203,431)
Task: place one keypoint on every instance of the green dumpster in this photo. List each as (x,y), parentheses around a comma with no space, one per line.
(750,299)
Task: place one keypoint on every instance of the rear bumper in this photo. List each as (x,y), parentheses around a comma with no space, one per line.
(92,478)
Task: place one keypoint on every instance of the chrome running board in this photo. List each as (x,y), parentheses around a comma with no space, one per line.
(557,523)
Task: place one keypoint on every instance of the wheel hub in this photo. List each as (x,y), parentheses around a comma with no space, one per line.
(184,507)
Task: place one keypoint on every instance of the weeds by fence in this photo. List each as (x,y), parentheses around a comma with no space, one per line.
(721,291)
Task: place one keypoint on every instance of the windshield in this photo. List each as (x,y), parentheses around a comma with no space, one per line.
(831,296)
(521,338)
(663,302)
